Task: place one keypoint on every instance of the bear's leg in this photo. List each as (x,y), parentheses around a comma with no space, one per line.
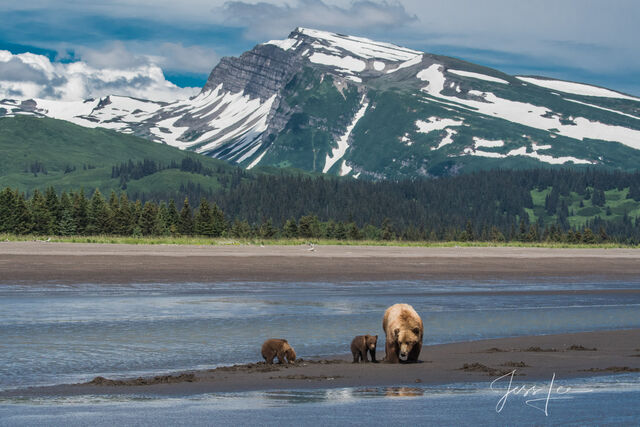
(356,356)
(391,353)
(363,355)
(414,353)
(373,356)
(281,357)
(268,358)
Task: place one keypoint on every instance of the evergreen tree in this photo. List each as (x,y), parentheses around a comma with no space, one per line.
(67,223)
(161,227)
(136,214)
(330,231)
(80,212)
(185,222)
(634,191)
(173,217)
(341,231)
(219,223)
(114,210)
(305,226)
(588,236)
(241,229)
(204,220)
(22,217)
(40,217)
(98,216)
(353,232)
(291,228)
(8,202)
(598,198)
(123,218)
(266,229)
(53,206)
(387,230)
(148,218)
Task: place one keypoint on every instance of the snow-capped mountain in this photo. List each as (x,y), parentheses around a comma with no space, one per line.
(351,106)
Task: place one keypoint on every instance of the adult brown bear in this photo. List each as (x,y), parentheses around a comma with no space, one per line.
(280,348)
(404,330)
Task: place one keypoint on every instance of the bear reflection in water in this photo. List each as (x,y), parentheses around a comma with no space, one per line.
(403,392)
(390,392)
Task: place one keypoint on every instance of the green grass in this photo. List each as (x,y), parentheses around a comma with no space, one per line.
(227,241)
(616,201)
(90,154)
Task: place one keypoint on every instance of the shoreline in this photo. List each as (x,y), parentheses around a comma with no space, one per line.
(534,359)
(68,263)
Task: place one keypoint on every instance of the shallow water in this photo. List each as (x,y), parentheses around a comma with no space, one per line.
(604,400)
(60,334)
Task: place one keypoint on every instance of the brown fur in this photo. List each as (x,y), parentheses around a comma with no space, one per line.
(280,348)
(363,344)
(404,331)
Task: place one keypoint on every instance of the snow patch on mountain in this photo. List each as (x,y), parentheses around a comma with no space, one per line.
(411,62)
(343,143)
(602,108)
(528,114)
(576,88)
(486,143)
(448,139)
(478,76)
(436,123)
(361,47)
(345,169)
(285,44)
(522,151)
(347,64)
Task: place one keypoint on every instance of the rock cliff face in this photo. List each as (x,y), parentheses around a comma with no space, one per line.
(346,105)
(259,73)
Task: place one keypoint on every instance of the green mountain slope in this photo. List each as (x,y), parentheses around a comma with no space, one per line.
(42,152)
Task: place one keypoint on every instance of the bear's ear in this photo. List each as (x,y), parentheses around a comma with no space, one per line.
(416,331)
(376,337)
(396,332)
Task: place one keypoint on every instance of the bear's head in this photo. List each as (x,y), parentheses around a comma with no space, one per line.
(289,353)
(371,341)
(406,339)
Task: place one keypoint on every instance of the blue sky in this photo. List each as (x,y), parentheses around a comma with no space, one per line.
(582,40)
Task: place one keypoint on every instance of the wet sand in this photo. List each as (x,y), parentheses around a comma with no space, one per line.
(534,359)
(42,262)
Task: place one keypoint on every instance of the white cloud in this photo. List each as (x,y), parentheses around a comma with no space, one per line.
(27,75)
(169,56)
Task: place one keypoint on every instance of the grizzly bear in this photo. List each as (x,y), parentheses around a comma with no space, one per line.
(280,348)
(404,330)
(363,344)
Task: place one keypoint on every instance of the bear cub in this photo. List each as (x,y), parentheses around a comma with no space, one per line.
(279,348)
(363,344)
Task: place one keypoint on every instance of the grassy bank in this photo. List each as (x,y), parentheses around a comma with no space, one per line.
(191,240)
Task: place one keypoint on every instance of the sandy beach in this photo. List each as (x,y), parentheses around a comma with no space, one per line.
(532,358)
(43,262)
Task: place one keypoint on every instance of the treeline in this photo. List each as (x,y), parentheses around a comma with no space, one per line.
(131,170)
(74,214)
(483,205)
